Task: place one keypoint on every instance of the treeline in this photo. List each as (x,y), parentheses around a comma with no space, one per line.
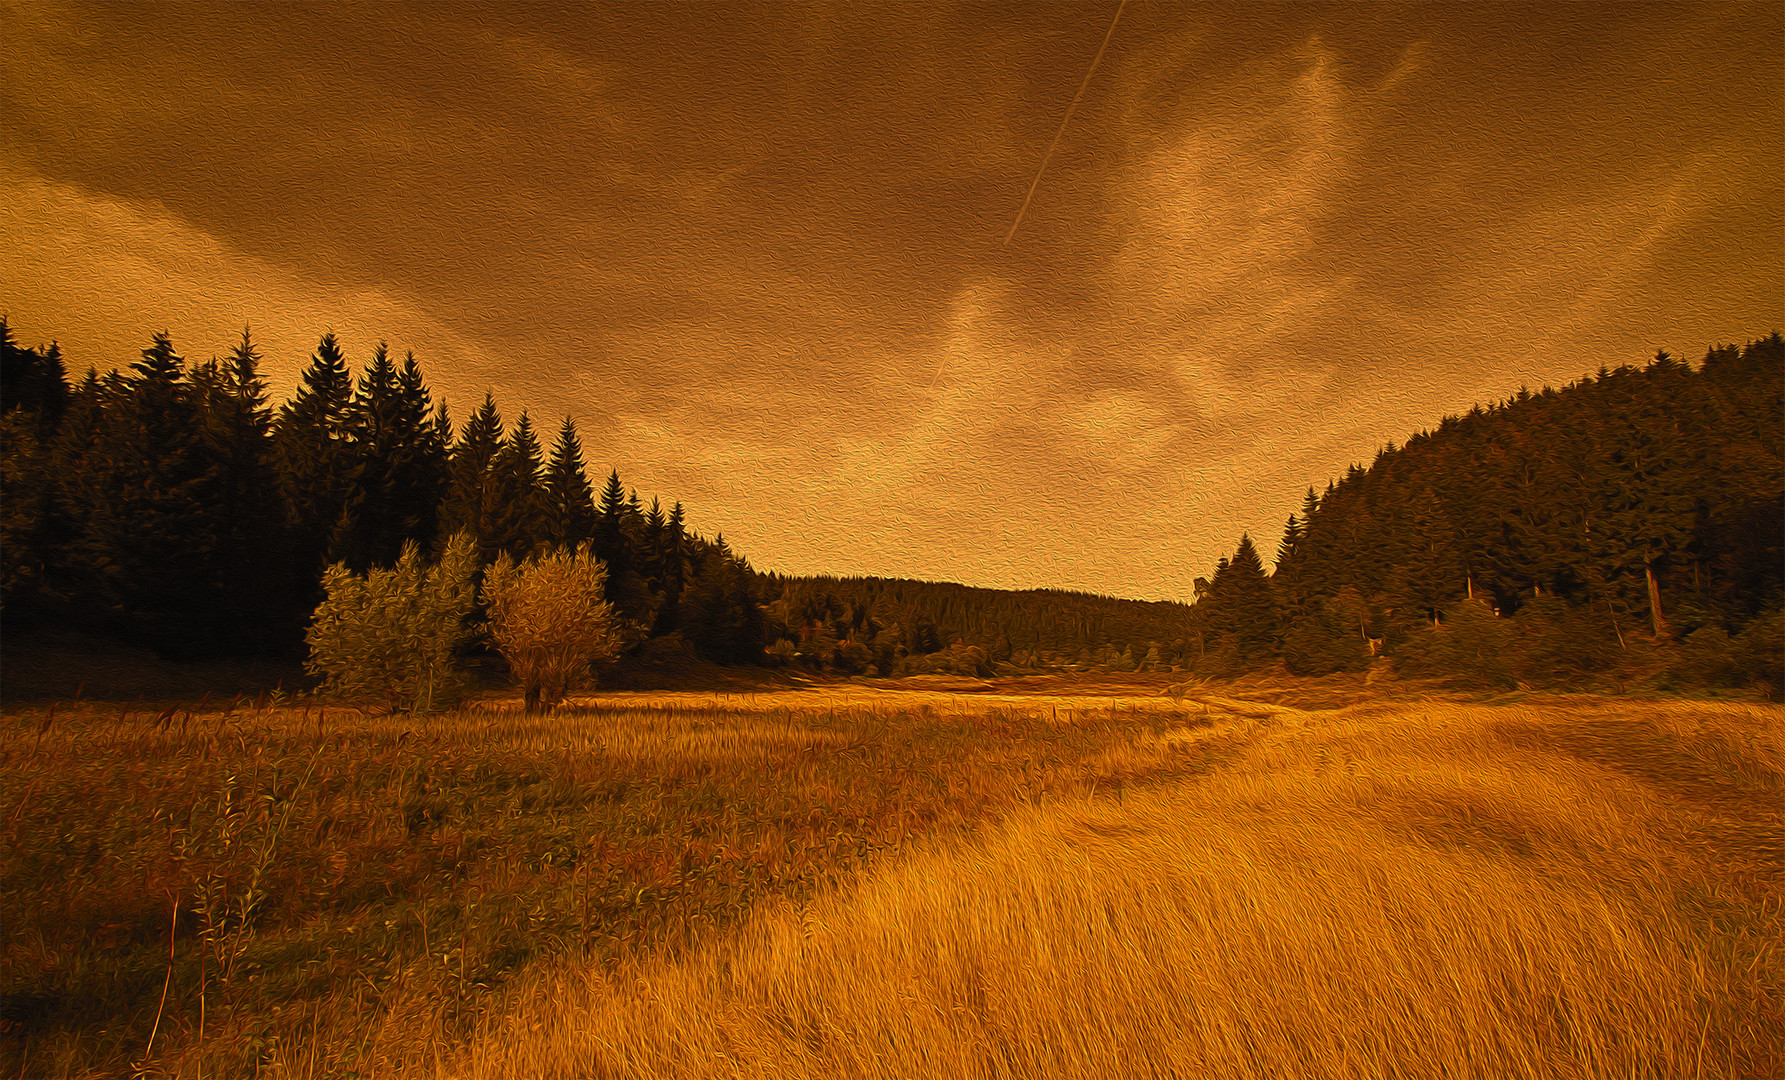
(1627,524)
(892,626)
(170,505)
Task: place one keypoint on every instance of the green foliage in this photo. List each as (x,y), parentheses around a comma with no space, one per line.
(549,620)
(387,636)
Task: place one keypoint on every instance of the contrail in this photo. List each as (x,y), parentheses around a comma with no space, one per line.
(1033,184)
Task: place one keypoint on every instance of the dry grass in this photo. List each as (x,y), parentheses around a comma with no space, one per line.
(353,893)
(862,882)
(1566,888)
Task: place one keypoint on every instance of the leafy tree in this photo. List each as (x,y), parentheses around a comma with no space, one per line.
(550,621)
(387,636)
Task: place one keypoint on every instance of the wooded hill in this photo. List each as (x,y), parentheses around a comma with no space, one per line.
(899,626)
(1624,524)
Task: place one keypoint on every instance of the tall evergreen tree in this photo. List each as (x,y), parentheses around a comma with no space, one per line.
(569,515)
(1243,604)
(153,537)
(251,522)
(399,467)
(614,543)
(517,513)
(470,505)
(313,457)
(675,568)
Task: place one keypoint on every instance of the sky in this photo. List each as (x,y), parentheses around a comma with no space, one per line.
(759,252)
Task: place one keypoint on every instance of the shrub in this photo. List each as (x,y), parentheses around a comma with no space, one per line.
(549,620)
(388,635)
(782,653)
(1471,647)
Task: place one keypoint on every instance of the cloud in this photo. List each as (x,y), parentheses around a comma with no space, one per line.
(110,274)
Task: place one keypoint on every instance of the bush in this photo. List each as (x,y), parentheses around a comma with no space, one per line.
(957,659)
(387,636)
(1471,647)
(549,620)
(1563,645)
(1330,638)
(1710,657)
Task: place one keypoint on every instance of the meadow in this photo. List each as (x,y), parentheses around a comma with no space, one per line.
(1029,879)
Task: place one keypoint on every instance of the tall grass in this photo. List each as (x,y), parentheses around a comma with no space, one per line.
(349,895)
(1566,888)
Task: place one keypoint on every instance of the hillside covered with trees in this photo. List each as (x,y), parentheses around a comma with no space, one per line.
(170,505)
(892,625)
(1624,524)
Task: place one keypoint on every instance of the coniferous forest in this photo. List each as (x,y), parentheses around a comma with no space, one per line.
(172,505)
(1621,526)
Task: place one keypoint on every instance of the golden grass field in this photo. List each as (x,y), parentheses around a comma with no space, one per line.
(868,881)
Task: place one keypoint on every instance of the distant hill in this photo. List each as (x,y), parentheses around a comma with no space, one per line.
(901,626)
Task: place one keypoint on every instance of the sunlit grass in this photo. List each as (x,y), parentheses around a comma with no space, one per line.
(858,882)
(1563,889)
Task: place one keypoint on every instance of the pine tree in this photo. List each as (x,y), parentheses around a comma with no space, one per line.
(610,532)
(1247,608)
(153,539)
(470,505)
(615,544)
(238,428)
(569,514)
(517,511)
(675,568)
(398,467)
(313,458)
(421,474)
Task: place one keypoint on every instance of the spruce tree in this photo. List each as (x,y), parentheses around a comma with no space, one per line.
(153,537)
(238,427)
(399,469)
(312,455)
(517,511)
(569,512)
(1249,607)
(470,505)
(675,567)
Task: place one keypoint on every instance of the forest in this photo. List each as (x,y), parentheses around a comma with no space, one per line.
(1624,527)
(170,505)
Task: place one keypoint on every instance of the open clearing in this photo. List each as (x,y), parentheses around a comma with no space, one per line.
(962,880)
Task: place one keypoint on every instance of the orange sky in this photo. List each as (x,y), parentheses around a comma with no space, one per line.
(756,250)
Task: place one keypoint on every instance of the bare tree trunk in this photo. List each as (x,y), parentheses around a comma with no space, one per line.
(532,697)
(1662,630)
